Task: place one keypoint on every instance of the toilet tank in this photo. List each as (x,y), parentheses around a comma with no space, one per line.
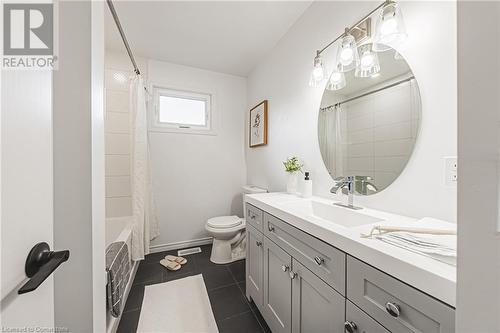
(250,189)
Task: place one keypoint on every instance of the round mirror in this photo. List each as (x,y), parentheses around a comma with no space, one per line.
(367,126)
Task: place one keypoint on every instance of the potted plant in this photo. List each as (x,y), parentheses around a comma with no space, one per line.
(292,167)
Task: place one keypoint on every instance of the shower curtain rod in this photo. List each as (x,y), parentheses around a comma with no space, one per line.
(122,34)
(368,93)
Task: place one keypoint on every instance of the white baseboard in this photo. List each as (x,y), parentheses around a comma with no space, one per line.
(180,245)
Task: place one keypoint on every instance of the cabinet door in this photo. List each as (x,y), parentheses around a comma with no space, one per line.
(255,266)
(316,307)
(277,288)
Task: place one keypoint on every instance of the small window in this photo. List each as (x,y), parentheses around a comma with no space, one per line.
(182,111)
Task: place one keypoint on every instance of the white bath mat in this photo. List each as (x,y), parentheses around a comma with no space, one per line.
(177,306)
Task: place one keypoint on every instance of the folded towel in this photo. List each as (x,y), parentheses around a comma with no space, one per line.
(118,271)
(439,247)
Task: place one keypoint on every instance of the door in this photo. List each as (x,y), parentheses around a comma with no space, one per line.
(255,266)
(316,306)
(277,288)
(27,193)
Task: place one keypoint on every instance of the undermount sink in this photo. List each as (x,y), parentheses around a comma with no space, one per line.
(329,212)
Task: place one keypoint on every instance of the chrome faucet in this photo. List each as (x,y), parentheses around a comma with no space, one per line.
(347,186)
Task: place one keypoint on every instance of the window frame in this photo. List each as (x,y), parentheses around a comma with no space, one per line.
(157,126)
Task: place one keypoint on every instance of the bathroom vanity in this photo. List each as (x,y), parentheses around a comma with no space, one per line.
(308,270)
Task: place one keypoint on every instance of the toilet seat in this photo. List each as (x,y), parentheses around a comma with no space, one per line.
(224,222)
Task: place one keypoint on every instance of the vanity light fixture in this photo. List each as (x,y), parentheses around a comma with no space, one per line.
(318,73)
(369,64)
(390,28)
(337,81)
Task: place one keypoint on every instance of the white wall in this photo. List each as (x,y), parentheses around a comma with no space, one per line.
(478,188)
(283,77)
(196,177)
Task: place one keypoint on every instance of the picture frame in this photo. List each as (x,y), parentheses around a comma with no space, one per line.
(257,126)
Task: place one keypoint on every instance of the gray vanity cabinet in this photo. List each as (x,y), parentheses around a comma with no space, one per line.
(277,288)
(316,307)
(301,284)
(255,266)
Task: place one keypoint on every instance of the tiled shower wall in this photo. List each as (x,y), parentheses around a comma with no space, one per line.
(117,149)
(381,131)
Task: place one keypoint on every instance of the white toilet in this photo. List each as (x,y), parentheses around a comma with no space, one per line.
(229,233)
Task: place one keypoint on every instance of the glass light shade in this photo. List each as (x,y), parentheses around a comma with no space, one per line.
(390,30)
(368,64)
(347,54)
(318,73)
(337,81)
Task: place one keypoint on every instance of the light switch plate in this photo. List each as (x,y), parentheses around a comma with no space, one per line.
(451,170)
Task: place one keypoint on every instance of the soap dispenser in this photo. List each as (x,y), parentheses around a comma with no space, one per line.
(307,186)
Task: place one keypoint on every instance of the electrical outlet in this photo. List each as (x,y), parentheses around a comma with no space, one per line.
(451,170)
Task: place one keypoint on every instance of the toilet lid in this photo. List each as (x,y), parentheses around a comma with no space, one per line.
(224,221)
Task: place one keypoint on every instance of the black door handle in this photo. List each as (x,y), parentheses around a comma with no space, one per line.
(41,262)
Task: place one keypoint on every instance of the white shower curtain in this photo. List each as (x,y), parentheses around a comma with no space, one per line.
(145,221)
(330,140)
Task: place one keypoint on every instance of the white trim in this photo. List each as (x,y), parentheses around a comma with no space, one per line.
(180,245)
(98,168)
(211,111)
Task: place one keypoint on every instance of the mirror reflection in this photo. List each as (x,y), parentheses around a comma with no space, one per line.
(367,126)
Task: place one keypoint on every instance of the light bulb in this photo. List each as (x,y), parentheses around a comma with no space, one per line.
(337,81)
(390,30)
(369,64)
(347,53)
(389,26)
(346,57)
(367,59)
(318,73)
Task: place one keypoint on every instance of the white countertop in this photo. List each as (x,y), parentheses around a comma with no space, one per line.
(431,276)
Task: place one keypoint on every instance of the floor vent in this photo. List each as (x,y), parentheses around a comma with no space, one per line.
(186,252)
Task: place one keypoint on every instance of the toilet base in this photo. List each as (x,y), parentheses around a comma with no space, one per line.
(228,251)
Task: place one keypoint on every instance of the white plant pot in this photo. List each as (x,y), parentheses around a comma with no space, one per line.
(291,184)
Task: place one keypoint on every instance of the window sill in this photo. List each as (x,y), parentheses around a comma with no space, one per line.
(191,131)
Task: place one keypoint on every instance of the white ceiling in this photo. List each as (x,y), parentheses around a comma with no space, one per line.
(226,36)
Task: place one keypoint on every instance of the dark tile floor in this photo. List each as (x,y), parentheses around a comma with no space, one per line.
(225,285)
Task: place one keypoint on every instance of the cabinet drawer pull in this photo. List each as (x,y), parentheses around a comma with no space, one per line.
(285,268)
(252,217)
(270,228)
(259,243)
(319,260)
(350,326)
(393,309)
(293,275)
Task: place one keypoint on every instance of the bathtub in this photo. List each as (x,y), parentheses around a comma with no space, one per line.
(119,229)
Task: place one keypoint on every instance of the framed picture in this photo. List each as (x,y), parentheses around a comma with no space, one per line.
(258,125)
